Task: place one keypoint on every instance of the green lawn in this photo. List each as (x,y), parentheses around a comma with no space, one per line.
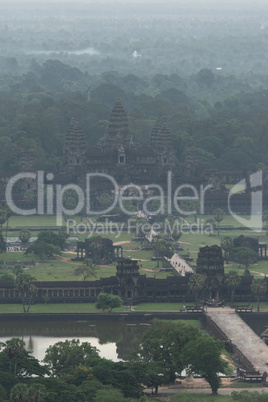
(85,307)
(54,308)
(190,242)
(187,397)
(159,307)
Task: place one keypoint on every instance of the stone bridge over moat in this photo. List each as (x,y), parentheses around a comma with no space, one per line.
(250,348)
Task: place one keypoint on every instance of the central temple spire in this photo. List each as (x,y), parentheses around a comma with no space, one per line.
(118,134)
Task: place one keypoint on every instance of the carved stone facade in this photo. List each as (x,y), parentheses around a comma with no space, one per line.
(133,287)
(211,266)
(118,156)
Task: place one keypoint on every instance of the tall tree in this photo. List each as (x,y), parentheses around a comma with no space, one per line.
(161,350)
(258,289)
(19,393)
(27,289)
(3,218)
(87,270)
(13,349)
(244,255)
(232,281)
(67,354)
(218,216)
(196,284)
(227,245)
(203,356)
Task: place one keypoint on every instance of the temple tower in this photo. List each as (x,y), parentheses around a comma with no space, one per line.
(161,142)
(210,265)
(118,136)
(75,145)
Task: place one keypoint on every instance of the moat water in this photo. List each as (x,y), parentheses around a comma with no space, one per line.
(114,340)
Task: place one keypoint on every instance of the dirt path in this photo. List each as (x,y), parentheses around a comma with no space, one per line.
(67,260)
(259,273)
(122,242)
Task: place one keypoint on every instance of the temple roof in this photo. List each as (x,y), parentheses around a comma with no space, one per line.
(160,136)
(118,124)
(75,139)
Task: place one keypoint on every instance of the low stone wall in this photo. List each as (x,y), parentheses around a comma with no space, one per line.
(113,316)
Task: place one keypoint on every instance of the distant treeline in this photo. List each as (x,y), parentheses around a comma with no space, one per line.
(36,109)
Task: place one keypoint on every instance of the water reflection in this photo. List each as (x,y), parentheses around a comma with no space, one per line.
(114,340)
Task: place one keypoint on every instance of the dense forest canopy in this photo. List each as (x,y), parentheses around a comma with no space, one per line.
(199,67)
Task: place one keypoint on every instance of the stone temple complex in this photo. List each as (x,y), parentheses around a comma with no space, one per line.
(118,156)
(126,162)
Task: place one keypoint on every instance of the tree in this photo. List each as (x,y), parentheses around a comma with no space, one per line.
(232,281)
(89,269)
(34,393)
(196,283)
(227,245)
(258,288)
(24,284)
(190,207)
(3,218)
(244,255)
(68,355)
(17,269)
(56,239)
(8,215)
(120,375)
(6,277)
(218,217)
(160,350)
(42,249)
(108,302)
(29,197)
(203,356)
(24,236)
(105,200)
(3,246)
(96,247)
(265,220)
(13,349)
(19,393)
(111,395)
(162,248)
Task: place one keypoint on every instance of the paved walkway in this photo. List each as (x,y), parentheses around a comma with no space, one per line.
(241,335)
(180,265)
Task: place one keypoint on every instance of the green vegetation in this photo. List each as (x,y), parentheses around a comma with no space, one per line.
(108,302)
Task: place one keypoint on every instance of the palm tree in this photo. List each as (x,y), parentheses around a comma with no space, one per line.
(218,217)
(227,245)
(36,393)
(196,283)
(3,218)
(19,393)
(13,348)
(24,284)
(96,248)
(258,288)
(8,215)
(232,281)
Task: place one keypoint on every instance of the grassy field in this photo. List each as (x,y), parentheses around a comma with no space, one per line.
(90,307)
(55,308)
(62,268)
